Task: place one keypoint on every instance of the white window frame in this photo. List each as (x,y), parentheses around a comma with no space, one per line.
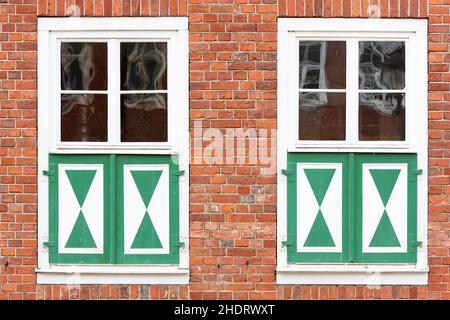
(174,31)
(414,33)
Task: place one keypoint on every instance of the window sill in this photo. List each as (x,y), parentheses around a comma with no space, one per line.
(352,274)
(112,275)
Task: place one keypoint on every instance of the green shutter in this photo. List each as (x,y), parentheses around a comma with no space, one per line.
(93,199)
(377,206)
(147,209)
(386,208)
(317,186)
(79,209)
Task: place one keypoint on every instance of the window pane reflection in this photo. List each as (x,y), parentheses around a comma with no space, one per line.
(322,64)
(381,65)
(322,116)
(143,66)
(84,117)
(83,66)
(381,117)
(143,117)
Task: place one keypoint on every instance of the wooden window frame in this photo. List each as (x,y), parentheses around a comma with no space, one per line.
(51,31)
(414,33)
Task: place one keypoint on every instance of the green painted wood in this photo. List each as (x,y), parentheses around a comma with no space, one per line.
(319,179)
(385,180)
(320,235)
(383,235)
(146,182)
(351,244)
(82,182)
(173,256)
(321,182)
(113,209)
(146,237)
(81,236)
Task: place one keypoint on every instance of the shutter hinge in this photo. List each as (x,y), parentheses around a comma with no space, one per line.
(177,245)
(49,244)
(50,173)
(417,244)
(288,173)
(286,243)
(175,174)
(417,172)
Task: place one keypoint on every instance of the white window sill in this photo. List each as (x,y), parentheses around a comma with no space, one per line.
(112,275)
(352,274)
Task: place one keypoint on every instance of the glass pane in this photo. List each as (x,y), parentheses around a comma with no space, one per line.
(84,117)
(143,65)
(322,116)
(83,66)
(322,65)
(381,117)
(381,65)
(143,117)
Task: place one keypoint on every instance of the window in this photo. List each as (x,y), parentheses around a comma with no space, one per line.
(113,150)
(352,151)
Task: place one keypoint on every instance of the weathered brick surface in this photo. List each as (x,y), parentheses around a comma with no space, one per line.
(232,207)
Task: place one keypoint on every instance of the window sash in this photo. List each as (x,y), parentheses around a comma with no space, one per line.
(352,90)
(113,40)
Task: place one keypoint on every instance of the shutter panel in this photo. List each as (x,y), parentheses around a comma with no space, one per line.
(147,209)
(317,207)
(386,207)
(79,209)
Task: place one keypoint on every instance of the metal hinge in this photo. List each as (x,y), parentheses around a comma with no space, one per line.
(417,244)
(414,174)
(286,243)
(48,244)
(288,173)
(50,173)
(180,244)
(175,174)
(177,245)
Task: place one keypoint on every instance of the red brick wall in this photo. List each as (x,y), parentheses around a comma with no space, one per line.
(108,8)
(233,207)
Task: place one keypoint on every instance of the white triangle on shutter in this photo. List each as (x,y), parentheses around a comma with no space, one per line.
(69,208)
(373,207)
(308,207)
(134,209)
